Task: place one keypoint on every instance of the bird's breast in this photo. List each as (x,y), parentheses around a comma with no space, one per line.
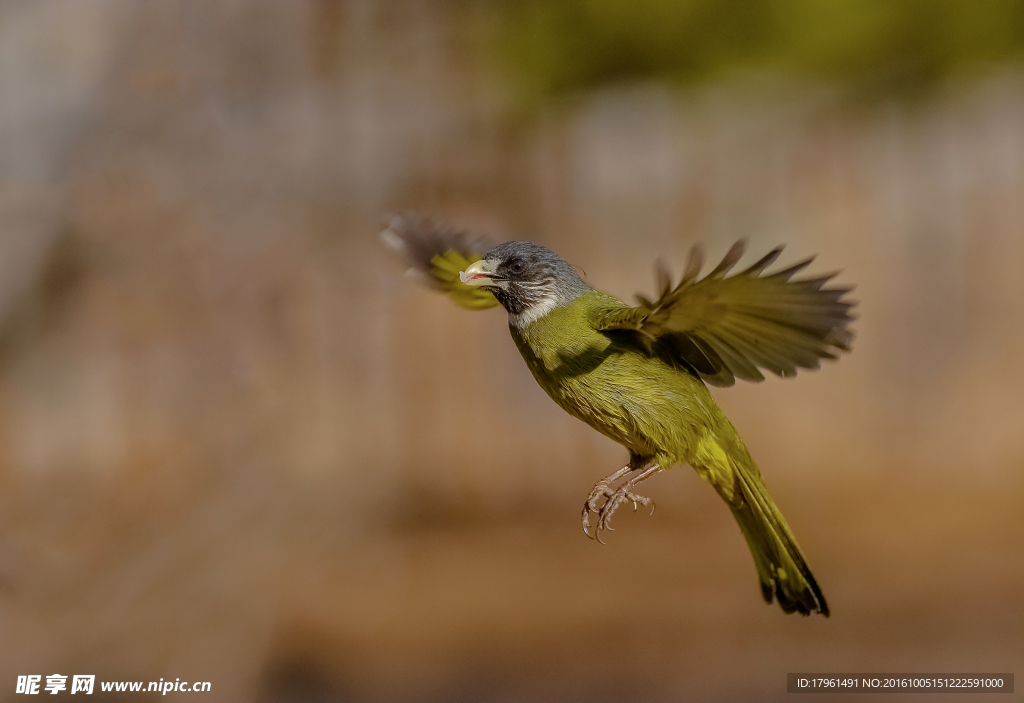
(640,402)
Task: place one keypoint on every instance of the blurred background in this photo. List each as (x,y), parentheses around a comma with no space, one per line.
(238,445)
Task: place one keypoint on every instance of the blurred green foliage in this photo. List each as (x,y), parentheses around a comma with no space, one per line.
(564,46)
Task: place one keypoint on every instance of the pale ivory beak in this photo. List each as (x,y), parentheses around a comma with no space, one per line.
(479,273)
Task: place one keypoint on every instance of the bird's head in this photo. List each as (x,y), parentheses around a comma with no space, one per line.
(527,279)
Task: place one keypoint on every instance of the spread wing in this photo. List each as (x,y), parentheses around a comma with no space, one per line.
(436,254)
(728,328)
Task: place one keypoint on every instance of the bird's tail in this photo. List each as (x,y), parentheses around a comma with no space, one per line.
(781,567)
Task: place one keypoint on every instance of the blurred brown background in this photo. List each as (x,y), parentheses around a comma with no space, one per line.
(238,445)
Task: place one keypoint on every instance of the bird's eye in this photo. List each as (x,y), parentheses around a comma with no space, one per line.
(517,266)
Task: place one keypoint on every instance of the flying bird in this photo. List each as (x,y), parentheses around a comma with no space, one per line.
(639,374)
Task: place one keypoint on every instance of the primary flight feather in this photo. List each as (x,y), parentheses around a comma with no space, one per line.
(637,374)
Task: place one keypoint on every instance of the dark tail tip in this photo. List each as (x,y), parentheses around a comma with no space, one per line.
(806,601)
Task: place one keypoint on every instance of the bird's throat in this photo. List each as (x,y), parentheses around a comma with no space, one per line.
(524,315)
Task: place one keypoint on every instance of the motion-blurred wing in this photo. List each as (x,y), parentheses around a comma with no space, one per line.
(436,254)
(728,328)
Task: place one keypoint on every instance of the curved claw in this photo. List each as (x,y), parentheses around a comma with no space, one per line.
(587,509)
(613,498)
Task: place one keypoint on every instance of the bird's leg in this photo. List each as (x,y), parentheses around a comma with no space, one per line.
(602,489)
(622,494)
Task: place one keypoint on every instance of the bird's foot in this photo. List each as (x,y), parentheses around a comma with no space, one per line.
(614,498)
(602,489)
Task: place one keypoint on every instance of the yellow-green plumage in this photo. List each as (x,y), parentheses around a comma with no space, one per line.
(657,409)
(445,268)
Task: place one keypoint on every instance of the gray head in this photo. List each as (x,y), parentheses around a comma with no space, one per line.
(527,279)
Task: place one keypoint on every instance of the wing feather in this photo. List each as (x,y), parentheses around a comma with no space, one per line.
(436,254)
(729,327)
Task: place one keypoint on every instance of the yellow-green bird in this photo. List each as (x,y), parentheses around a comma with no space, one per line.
(638,374)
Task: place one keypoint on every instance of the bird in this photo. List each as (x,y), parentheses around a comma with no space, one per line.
(639,374)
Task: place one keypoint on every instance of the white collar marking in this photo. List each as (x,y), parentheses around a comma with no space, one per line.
(534,312)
